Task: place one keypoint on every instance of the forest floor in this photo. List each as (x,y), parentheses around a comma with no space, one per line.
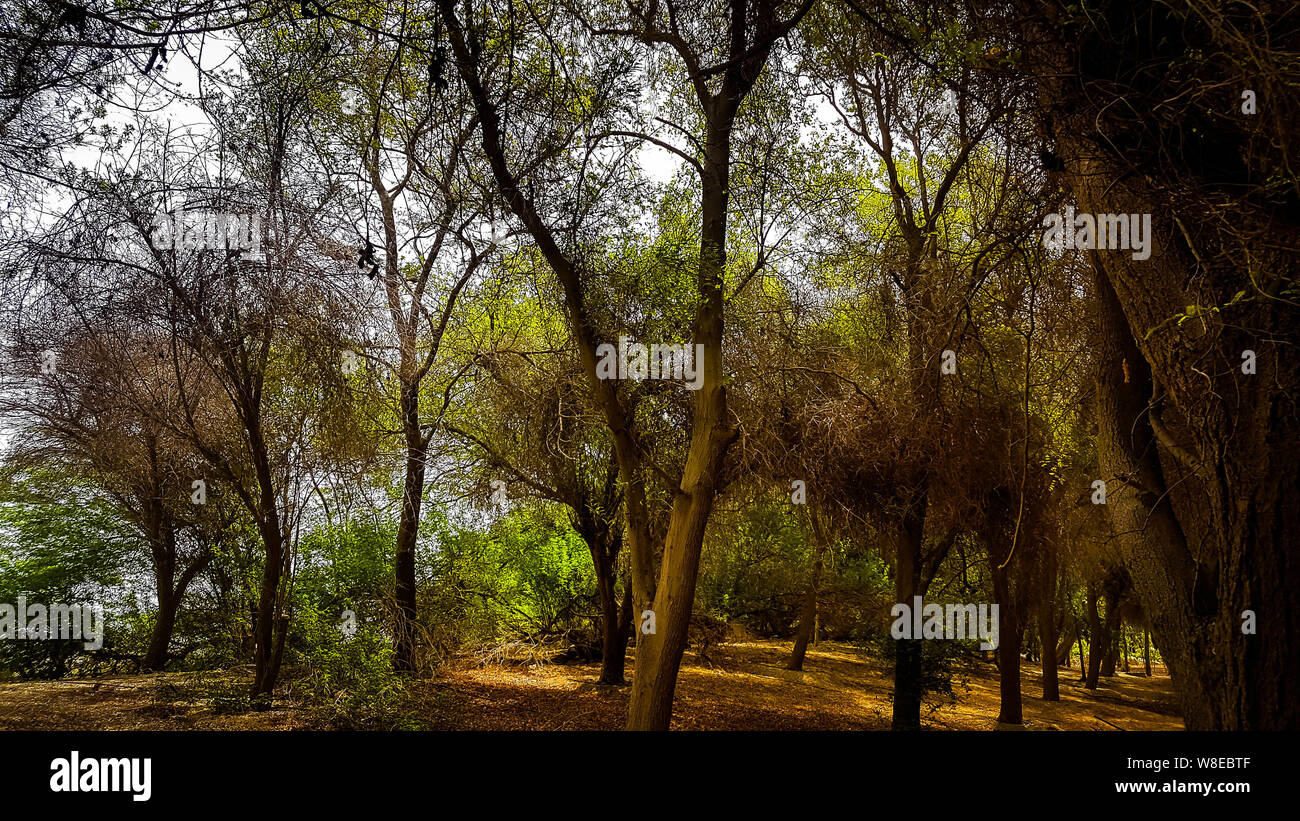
(742,686)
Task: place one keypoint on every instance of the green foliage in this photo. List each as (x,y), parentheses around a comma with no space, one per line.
(60,543)
(350,683)
(757,571)
(527,574)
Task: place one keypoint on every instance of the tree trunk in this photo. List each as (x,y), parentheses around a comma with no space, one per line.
(155,657)
(408,527)
(1111,630)
(1146,650)
(1123,648)
(1070,634)
(1047,625)
(265,669)
(266,655)
(163,542)
(908,658)
(808,618)
(1011,709)
(1005,558)
(659,655)
(615,621)
(614,657)
(1200,453)
(1096,639)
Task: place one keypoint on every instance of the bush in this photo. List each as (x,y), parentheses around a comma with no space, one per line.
(349,682)
(944,666)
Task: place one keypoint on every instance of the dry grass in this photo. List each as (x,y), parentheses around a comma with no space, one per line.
(125,702)
(743,688)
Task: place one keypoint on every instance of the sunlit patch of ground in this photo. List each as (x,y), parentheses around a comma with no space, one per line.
(742,686)
(745,687)
(127,702)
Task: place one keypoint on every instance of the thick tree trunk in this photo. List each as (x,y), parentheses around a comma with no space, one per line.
(265,669)
(1199,454)
(155,657)
(1150,536)
(659,655)
(1010,710)
(615,620)
(164,571)
(614,657)
(1006,558)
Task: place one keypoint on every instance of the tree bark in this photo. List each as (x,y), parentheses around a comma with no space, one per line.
(163,544)
(614,658)
(1096,641)
(1110,631)
(155,656)
(1122,645)
(615,620)
(1070,633)
(408,526)
(1047,625)
(908,659)
(808,616)
(1005,560)
(1010,710)
(1199,455)
(170,595)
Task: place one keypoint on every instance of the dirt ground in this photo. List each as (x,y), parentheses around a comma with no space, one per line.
(742,686)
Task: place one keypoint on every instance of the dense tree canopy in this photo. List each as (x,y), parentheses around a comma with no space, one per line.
(352,341)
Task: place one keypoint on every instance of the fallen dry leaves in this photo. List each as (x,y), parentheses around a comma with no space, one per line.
(743,686)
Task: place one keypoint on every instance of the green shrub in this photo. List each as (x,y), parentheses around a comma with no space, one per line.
(348,682)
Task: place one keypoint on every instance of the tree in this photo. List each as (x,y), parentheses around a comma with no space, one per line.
(566,458)
(740,50)
(411,137)
(97,416)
